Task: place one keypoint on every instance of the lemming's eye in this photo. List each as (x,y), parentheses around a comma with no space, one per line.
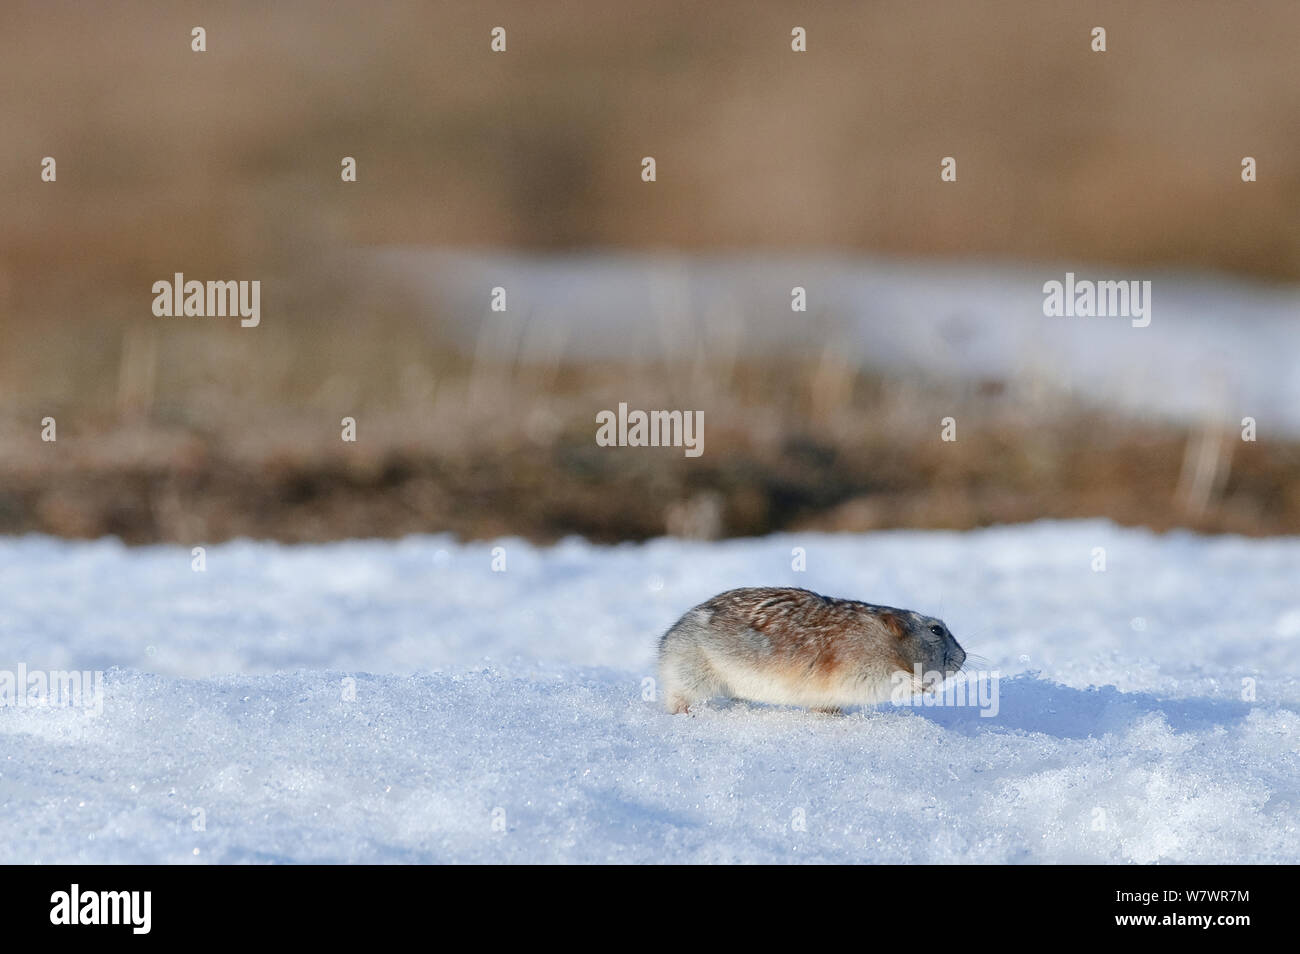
(936,629)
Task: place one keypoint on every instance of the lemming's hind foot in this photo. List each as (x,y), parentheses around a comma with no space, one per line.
(676,705)
(829,710)
(686,678)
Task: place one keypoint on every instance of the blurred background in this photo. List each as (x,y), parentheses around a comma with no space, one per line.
(522,170)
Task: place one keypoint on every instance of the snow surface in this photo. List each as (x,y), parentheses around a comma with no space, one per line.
(499,716)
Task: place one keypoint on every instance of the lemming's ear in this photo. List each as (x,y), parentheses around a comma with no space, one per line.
(894,624)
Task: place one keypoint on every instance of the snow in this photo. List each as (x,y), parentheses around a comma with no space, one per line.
(1218,348)
(403,702)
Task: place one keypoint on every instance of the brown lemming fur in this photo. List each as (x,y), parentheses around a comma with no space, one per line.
(783,644)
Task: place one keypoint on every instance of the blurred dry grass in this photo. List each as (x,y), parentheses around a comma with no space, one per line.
(229,160)
(226,164)
(813,446)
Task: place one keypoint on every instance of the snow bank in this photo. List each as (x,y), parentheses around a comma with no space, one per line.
(1216,348)
(370,701)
